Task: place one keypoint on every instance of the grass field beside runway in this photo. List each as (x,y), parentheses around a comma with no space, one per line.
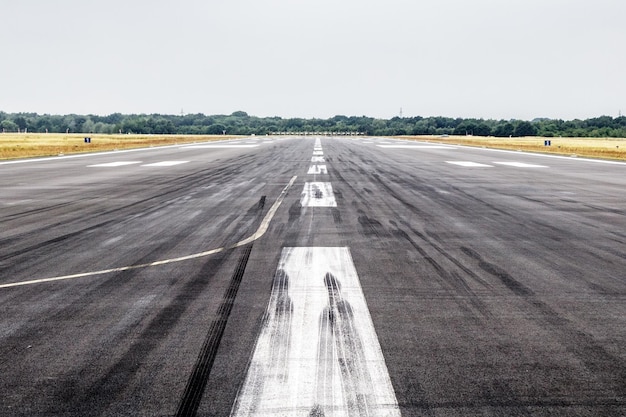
(608,148)
(25,145)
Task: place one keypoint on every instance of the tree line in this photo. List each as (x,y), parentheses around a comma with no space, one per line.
(240,123)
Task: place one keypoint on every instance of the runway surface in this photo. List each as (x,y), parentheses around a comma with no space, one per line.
(314,277)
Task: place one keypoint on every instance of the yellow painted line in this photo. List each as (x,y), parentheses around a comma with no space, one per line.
(257,235)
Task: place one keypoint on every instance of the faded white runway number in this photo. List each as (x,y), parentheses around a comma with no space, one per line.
(317,169)
(318,194)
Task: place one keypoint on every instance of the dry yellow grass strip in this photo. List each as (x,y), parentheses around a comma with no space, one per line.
(605,148)
(14,145)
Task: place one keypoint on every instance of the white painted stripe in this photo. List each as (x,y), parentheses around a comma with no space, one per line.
(318,194)
(114,164)
(469,164)
(219,146)
(165,164)
(317,169)
(317,353)
(520,165)
(317,159)
(416,147)
(318,153)
(257,235)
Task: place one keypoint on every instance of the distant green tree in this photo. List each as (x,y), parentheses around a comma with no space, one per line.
(525,128)
(504,129)
(21,122)
(216,129)
(8,125)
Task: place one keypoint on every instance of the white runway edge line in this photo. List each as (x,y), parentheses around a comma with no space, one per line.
(258,234)
(317,353)
(318,194)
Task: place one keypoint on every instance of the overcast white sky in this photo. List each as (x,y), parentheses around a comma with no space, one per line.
(498,59)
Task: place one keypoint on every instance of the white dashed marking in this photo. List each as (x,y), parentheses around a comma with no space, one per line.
(520,165)
(114,164)
(469,164)
(165,164)
(317,353)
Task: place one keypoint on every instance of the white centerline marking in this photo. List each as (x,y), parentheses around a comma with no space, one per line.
(318,194)
(318,153)
(317,159)
(257,235)
(317,353)
(165,164)
(469,164)
(114,164)
(520,165)
(317,169)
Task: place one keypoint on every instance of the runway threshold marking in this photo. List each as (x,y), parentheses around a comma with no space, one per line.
(317,353)
(255,236)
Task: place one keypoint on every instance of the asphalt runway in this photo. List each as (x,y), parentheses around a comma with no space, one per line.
(314,277)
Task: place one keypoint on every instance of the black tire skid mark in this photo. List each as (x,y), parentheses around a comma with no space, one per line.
(451,279)
(194,390)
(196,384)
(97,398)
(280,335)
(608,368)
(340,341)
(173,190)
(279,312)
